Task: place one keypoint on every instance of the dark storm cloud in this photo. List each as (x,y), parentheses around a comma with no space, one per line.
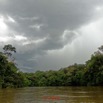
(55,15)
(54,20)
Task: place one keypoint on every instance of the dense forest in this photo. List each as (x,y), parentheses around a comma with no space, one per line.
(88,74)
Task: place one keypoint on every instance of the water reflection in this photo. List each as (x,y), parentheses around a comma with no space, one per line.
(65,94)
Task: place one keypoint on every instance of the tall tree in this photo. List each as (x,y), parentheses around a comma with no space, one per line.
(8,50)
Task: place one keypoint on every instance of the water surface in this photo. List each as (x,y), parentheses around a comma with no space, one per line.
(46,94)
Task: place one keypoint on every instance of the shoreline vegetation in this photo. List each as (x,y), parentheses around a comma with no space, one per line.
(88,74)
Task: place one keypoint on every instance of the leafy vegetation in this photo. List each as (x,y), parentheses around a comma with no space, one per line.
(88,74)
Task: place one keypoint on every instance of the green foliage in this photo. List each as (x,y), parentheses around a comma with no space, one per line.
(9,77)
(94,70)
(88,74)
(8,50)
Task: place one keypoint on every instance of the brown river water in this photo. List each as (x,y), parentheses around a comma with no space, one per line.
(52,95)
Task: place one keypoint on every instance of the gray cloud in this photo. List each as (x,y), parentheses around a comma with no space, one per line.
(45,25)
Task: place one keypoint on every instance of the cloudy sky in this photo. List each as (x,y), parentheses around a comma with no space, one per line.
(51,34)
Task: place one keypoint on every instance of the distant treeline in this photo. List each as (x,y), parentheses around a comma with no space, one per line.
(88,74)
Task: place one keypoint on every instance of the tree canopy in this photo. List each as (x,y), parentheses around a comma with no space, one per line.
(88,74)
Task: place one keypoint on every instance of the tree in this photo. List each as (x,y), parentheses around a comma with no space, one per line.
(94,74)
(8,50)
(3,66)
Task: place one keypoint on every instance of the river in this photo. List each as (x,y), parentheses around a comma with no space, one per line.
(52,95)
